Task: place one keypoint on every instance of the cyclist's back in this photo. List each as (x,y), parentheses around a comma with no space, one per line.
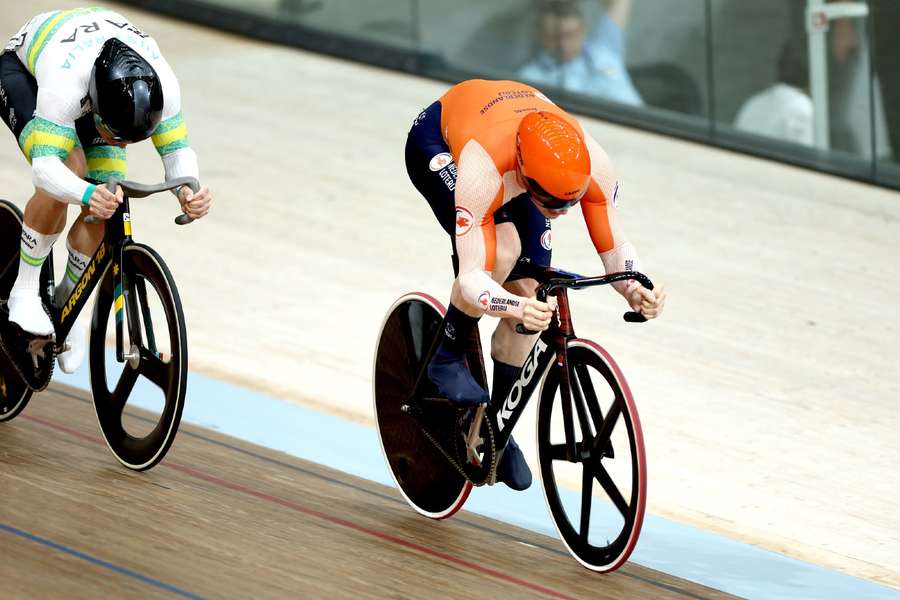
(489,112)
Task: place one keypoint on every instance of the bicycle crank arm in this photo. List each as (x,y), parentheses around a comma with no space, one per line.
(473,440)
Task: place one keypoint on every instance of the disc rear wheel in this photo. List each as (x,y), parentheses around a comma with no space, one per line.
(427,480)
(14,393)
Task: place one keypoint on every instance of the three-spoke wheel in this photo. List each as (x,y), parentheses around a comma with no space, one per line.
(589,438)
(154,373)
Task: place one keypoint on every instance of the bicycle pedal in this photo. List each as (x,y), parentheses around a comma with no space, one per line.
(32,358)
(413,411)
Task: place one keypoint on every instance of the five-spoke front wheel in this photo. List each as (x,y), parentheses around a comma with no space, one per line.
(589,438)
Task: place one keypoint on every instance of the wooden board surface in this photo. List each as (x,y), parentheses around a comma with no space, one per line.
(768,391)
(223,518)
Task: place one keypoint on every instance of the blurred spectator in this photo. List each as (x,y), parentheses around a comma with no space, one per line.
(573,59)
(856,104)
(886,22)
(785,110)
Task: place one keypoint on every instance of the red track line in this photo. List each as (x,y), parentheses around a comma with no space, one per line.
(321,515)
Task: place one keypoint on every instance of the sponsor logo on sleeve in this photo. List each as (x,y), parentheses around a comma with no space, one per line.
(502,304)
(484,299)
(546,242)
(448,176)
(464,221)
(440,161)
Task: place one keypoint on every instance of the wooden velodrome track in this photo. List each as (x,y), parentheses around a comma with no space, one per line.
(223,518)
(768,391)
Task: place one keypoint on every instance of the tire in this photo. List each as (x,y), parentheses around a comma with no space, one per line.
(427,481)
(145,270)
(14,393)
(623,454)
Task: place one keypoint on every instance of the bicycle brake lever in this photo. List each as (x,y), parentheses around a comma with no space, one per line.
(520,328)
(634,317)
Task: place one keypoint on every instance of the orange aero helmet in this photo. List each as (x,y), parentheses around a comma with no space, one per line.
(553,160)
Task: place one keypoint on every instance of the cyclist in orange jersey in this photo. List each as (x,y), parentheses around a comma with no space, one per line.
(497,161)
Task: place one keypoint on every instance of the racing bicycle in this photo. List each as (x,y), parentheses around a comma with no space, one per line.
(137,290)
(588,431)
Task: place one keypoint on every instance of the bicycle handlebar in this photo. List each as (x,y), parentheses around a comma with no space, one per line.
(141,190)
(578,282)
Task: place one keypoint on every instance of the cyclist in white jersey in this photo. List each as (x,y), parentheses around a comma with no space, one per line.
(77,86)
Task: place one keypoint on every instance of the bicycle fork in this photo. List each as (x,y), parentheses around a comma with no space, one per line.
(123,303)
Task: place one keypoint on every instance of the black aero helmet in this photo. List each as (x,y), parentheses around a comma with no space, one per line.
(125,92)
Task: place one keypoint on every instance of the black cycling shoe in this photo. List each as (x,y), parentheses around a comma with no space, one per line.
(453,380)
(513,470)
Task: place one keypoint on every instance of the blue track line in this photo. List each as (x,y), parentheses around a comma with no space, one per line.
(99,562)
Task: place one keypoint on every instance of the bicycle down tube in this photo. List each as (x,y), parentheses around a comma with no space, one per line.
(116,236)
(551,345)
(93,273)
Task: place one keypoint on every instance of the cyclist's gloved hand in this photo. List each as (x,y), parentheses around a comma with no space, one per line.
(536,315)
(104,203)
(195,205)
(649,303)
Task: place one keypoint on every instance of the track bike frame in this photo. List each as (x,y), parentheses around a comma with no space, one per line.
(549,347)
(109,253)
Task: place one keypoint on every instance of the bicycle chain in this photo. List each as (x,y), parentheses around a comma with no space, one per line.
(492,472)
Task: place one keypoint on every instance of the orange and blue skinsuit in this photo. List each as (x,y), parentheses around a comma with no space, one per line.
(460,155)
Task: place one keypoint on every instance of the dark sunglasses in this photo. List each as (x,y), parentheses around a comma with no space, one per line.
(546,199)
(98,123)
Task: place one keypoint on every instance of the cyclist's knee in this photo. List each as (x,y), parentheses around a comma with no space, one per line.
(86,237)
(77,162)
(507,345)
(522,287)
